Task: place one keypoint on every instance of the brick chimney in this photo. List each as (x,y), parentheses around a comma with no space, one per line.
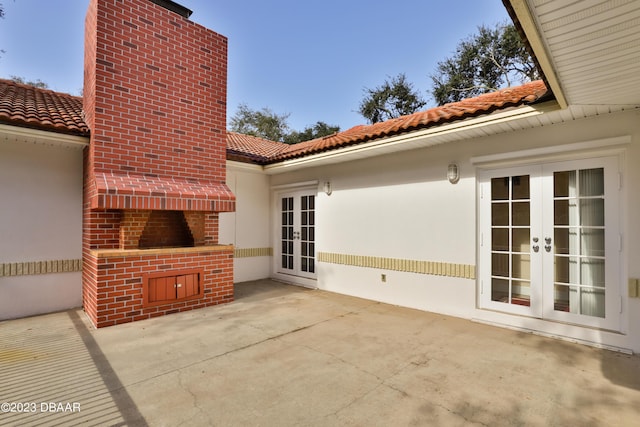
(155,101)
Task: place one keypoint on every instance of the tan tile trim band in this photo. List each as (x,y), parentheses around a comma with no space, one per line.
(252,252)
(435,268)
(40,267)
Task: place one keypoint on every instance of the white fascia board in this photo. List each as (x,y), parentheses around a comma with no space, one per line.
(410,140)
(244,167)
(531,30)
(36,136)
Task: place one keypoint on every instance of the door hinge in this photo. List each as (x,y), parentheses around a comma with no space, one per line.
(619,181)
(481,287)
(621,302)
(619,242)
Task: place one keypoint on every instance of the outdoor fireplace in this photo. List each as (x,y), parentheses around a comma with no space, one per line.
(155,170)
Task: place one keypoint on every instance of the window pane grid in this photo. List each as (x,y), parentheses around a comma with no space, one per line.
(510,241)
(287,233)
(579,237)
(307,248)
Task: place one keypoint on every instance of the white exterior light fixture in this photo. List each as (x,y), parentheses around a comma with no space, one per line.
(453,173)
(327,188)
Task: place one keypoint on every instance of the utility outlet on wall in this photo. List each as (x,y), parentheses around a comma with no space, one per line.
(383,278)
(634,290)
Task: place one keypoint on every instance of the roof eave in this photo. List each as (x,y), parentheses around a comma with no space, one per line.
(45,137)
(431,136)
(524,20)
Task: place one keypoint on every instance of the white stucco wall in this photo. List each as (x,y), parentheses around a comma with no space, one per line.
(248,227)
(40,220)
(397,206)
(401,206)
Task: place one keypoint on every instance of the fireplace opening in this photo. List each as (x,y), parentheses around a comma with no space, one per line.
(166,229)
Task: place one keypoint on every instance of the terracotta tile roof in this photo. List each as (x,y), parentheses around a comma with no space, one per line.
(472,107)
(23,105)
(28,106)
(252,148)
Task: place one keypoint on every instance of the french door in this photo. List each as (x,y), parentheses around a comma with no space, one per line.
(297,234)
(550,242)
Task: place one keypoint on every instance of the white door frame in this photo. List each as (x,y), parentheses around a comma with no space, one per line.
(297,276)
(542,261)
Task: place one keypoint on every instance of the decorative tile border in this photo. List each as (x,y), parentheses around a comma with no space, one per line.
(252,252)
(435,268)
(40,267)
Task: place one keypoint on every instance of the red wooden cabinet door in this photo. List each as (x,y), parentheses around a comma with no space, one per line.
(188,285)
(161,289)
(170,287)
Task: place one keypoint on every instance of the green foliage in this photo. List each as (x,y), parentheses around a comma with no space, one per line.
(392,99)
(318,130)
(268,125)
(263,124)
(37,83)
(488,60)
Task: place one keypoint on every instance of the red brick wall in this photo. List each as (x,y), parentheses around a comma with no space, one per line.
(118,295)
(211,228)
(160,85)
(131,228)
(196,225)
(102,229)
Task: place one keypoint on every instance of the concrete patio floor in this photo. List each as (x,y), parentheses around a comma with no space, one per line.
(282,355)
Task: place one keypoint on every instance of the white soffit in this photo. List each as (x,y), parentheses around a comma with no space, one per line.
(593,46)
(10,133)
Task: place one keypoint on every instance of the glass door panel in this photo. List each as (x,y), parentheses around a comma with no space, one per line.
(298,232)
(287,236)
(579,247)
(307,234)
(511,240)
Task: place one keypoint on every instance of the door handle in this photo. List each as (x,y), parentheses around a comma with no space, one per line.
(536,248)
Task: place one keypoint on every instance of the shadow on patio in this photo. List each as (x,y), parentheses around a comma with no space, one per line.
(57,377)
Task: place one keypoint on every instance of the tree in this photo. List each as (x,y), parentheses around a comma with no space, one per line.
(274,127)
(318,130)
(37,83)
(263,124)
(392,99)
(488,60)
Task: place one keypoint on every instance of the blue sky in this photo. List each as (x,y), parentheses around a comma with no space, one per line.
(311,59)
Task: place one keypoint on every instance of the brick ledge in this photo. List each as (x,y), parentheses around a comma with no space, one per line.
(117,253)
